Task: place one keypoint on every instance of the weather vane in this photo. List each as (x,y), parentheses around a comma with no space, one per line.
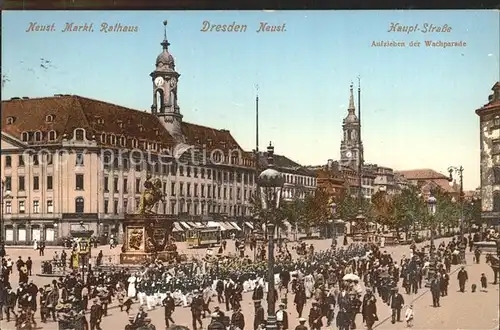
(165,22)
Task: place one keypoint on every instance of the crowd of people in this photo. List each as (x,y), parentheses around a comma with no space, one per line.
(340,282)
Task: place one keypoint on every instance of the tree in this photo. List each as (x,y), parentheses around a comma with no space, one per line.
(317,211)
(472,211)
(408,209)
(383,208)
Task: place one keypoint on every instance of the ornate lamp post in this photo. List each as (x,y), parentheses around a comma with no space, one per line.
(270,182)
(333,208)
(459,171)
(431,204)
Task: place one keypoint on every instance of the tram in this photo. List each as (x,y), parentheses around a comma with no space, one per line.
(203,237)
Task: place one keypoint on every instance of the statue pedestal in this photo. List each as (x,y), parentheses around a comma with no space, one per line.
(147,237)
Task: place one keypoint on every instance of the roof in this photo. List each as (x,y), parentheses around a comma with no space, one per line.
(284,164)
(444,184)
(493,104)
(97,117)
(422,174)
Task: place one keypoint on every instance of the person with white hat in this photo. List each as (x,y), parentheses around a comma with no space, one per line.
(302,324)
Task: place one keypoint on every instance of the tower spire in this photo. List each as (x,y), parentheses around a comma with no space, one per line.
(351,98)
(165,42)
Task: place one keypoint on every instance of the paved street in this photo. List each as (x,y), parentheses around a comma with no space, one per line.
(467,310)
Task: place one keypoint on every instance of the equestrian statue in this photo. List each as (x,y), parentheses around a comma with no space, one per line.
(151,196)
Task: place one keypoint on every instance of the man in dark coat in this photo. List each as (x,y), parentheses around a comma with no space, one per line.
(220,290)
(369,309)
(282,318)
(238,319)
(95,315)
(462,278)
(216,323)
(315,317)
(259,315)
(300,299)
(435,290)
(285,279)
(302,324)
(444,282)
(228,292)
(396,302)
(169,306)
(197,309)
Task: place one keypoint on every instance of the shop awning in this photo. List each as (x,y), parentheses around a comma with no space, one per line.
(213,224)
(185,225)
(177,227)
(227,225)
(235,225)
(249,225)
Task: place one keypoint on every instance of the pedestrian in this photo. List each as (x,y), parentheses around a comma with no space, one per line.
(95,315)
(259,317)
(237,319)
(477,255)
(302,324)
(315,317)
(396,302)
(216,323)
(409,316)
(462,278)
(169,307)
(282,318)
(484,282)
(29,266)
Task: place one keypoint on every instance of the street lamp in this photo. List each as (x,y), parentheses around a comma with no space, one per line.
(2,190)
(431,204)
(270,183)
(333,206)
(459,171)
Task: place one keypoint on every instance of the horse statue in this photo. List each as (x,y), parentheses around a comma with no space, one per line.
(150,197)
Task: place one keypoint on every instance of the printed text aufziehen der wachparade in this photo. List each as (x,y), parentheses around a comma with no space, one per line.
(426,29)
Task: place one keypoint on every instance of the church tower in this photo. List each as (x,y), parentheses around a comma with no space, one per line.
(165,80)
(351,148)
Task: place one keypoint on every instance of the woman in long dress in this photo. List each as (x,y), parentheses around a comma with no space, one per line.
(309,285)
(131,292)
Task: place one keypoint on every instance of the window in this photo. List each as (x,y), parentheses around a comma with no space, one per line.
(36,207)
(21,160)
(172,208)
(36,182)
(79,181)
(202,190)
(79,159)
(79,134)
(138,167)
(209,173)
(50,206)
(21,186)
(106,206)
(21,207)
(8,207)
(496,201)
(195,190)
(137,186)
(49,182)
(79,205)
(188,188)
(8,161)
(10,120)
(8,183)
(38,136)
(115,206)
(106,184)
(115,185)
(496,121)
(125,205)
(496,174)
(52,135)
(172,189)
(195,172)
(225,193)
(123,141)
(35,160)
(25,136)
(181,170)
(49,159)
(202,173)
(49,118)
(125,186)
(181,189)
(209,191)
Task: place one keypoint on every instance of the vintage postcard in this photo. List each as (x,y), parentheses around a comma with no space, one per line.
(257,169)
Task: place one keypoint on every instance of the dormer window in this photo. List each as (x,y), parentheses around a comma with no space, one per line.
(135,143)
(25,136)
(120,124)
(112,139)
(123,141)
(10,120)
(103,138)
(100,121)
(38,136)
(496,121)
(157,132)
(52,135)
(79,134)
(49,118)
(209,142)
(141,128)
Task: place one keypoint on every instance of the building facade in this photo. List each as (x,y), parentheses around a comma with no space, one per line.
(330,179)
(428,179)
(384,179)
(70,161)
(489,121)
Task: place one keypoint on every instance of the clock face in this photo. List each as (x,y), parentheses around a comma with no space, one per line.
(348,154)
(159,81)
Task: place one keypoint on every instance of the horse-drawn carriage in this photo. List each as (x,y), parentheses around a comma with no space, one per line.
(492,250)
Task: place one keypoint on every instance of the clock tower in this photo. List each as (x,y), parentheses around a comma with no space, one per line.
(164,79)
(351,148)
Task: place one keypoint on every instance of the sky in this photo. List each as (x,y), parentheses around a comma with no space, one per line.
(417,103)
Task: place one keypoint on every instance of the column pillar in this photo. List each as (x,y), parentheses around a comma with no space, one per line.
(14,232)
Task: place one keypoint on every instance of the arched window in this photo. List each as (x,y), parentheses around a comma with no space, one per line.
(496,201)
(134,143)
(79,134)
(49,118)
(123,141)
(103,138)
(10,120)
(79,205)
(38,136)
(25,136)
(52,135)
